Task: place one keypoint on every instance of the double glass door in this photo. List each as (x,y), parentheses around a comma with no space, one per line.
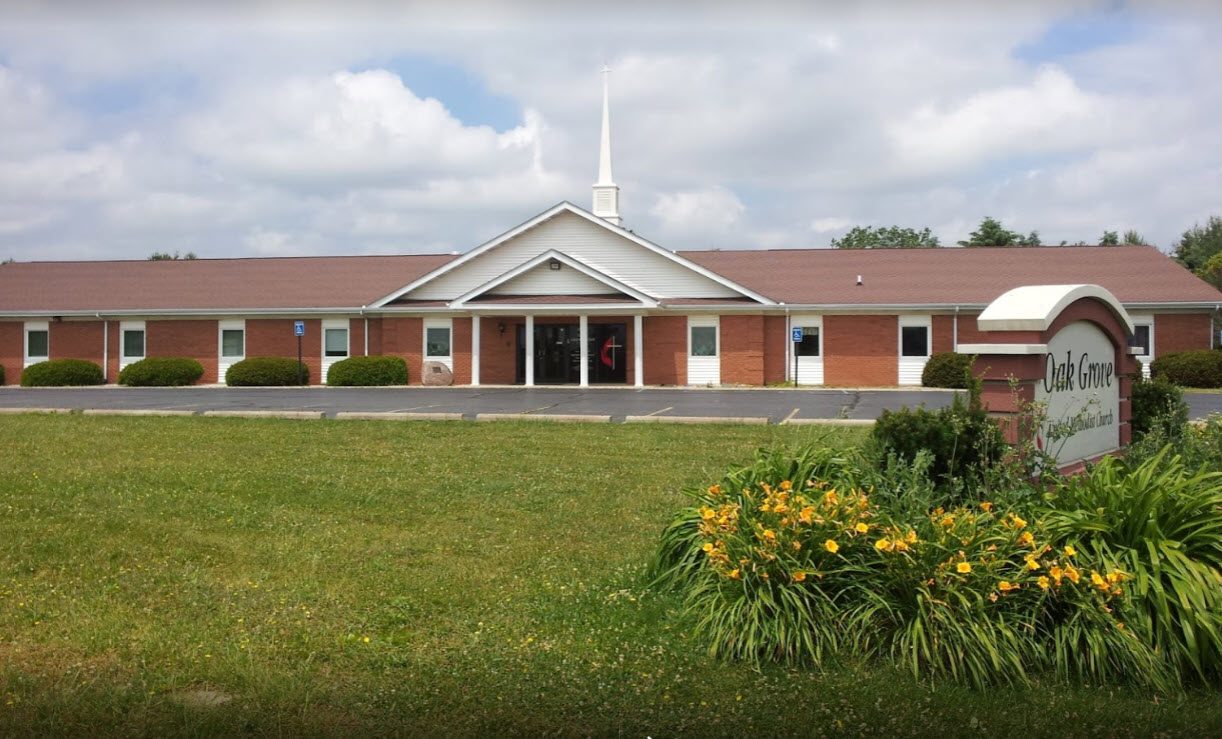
(558,353)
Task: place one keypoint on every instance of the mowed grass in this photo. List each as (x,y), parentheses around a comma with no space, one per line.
(220,576)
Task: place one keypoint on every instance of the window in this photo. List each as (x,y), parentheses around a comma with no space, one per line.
(914,341)
(335,342)
(437,342)
(1141,338)
(233,342)
(704,341)
(809,345)
(131,341)
(37,343)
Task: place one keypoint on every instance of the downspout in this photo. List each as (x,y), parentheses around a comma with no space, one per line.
(106,347)
(788,344)
(1213,334)
(366,331)
(954,341)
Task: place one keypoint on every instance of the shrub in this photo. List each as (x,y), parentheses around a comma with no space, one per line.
(1201,368)
(161,372)
(61,373)
(266,371)
(778,566)
(948,369)
(1157,403)
(366,371)
(961,440)
(1,374)
(1162,524)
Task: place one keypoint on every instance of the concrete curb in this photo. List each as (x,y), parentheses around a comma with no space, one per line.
(745,420)
(43,411)
(296,415)
(828,422)
(555,418)
(134,412)
(394,416)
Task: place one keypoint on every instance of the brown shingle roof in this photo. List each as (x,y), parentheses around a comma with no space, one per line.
(953,276)
(289,282)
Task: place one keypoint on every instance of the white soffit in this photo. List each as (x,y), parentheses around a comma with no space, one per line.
(573,263)
(1035,307)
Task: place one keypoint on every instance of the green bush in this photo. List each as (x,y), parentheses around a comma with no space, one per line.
(1162,524)
(1157,403)
(948,369)
(161,372)
(62,373)
(788,561)
(1,374)
(961,440)
(266,372)
(368,371)
(1201,368)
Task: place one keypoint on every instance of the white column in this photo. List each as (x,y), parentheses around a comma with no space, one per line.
(638,351)
(530,351)
(583,333)
(474,350)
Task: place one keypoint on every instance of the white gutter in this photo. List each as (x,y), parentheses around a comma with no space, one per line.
(365,333)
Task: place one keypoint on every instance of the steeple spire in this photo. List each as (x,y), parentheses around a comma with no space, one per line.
(606,192)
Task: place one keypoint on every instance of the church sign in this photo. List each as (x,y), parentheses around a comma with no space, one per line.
(1079,395)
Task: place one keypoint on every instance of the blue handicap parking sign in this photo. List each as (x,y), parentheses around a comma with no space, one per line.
(299,328)
(797,335)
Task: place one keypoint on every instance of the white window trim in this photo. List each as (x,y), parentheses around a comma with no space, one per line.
(925,321)
(125,326)
(1146,319)
(333,324)
(704,322)
(446,323)
(809,367)
(27,360)
(804,322)
(221,328)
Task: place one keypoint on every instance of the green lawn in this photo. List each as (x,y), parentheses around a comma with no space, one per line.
(201,576)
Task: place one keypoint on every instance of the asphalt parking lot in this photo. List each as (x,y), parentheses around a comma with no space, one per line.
(760,405)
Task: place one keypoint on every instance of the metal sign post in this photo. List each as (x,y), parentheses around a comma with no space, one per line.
(796,334)
(299,331)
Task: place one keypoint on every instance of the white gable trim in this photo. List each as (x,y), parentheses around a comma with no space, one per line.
(563,258)
(567,207)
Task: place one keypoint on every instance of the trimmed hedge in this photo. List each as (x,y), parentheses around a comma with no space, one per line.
(62,373)
(266,372)
(367,371)
(1157,404)
(948,369)
(1,374)
(1200,368)
(161,372)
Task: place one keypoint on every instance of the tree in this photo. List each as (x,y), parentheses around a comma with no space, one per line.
(884,237)
(1211,271)
(1109,238)
(1199,243)
(10,260)
(1132,238)
(992,233)
(161,256)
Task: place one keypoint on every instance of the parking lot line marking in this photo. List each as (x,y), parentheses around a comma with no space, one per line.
(792,413)
(541,408)
(663,410)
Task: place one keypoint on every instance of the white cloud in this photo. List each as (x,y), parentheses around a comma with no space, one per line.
(698,211)
(829,225)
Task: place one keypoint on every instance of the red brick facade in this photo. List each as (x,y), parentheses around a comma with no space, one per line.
(666,350)
(198,340)
(742,350)
(1181,332)
(861,351)
(12,350)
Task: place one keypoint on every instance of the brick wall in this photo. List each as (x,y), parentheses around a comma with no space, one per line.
(776,346)
(742,350)
(666,350)
(356,337)
(498,359)
(273,337)
(860,350)
(404,337)
(460,350)
(77,340)
(195,339)
(375,336)
(12,351)
(1181,332)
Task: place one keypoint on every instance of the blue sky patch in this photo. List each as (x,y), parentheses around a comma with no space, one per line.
(1080,33)
(463,94)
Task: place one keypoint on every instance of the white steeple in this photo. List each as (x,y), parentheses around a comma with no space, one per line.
(606,192)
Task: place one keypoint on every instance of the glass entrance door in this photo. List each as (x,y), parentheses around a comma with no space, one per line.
(558,353)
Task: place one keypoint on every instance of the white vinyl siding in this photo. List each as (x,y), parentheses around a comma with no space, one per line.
(810,366)
(913,352)
(37,342)
(703,350)
(590,243)
(131,342)
(439,341)
(230,346)
(543,280)
(336,344)
(1146,321)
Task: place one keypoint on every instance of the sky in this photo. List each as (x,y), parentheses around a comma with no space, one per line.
(297,128)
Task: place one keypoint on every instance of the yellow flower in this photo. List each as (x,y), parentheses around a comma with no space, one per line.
(831,546)
(1016,521)
(769,535)
(1006,586)
(735,574)
(911,536)
(1026,539)
(883,545)
(1115,577)
(714,490)
(799,576)
(806,515)
(963,568)
(707,513)
(1057,573)
(1032,564)
(1097,580)
(830,497)
(1070,551)
(786,485)
(861,528)
(986,506)
(899,545)
(948,521)
(797,545)
(1042,582)
(1072,573)
(708,548)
